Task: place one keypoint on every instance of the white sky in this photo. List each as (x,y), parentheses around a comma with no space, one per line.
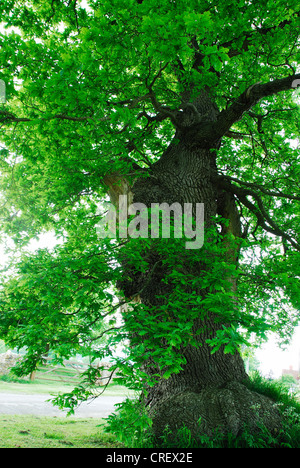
(273,359)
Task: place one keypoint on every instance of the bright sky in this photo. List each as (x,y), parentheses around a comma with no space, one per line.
(273,359)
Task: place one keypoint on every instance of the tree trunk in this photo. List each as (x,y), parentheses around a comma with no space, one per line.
(211,387)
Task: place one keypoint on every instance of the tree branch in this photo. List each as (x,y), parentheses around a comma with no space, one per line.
(6,117)
(248,99)
(263,218)
(162,110)
(231,45)
(237,135)
(262,189)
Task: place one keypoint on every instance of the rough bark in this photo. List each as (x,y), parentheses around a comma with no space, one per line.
(232,409)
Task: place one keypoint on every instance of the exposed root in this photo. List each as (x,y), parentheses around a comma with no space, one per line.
(228,410)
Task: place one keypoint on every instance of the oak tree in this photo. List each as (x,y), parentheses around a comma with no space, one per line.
(172,102)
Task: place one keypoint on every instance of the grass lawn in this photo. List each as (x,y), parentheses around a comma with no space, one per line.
(27,431)
(35,432)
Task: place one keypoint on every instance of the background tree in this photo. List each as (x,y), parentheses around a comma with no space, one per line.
(186,103)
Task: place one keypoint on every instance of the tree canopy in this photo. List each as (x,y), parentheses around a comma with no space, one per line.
(97,88)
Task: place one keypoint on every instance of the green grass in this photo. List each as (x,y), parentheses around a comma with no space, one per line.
(12,384)
(28,431)
(36,432)
(53,432)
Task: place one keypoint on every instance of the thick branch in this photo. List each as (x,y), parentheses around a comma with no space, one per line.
(248,99)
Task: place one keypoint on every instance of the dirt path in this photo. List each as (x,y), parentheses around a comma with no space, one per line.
(13,403)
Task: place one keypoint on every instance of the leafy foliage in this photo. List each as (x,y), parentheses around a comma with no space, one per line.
(96,88)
